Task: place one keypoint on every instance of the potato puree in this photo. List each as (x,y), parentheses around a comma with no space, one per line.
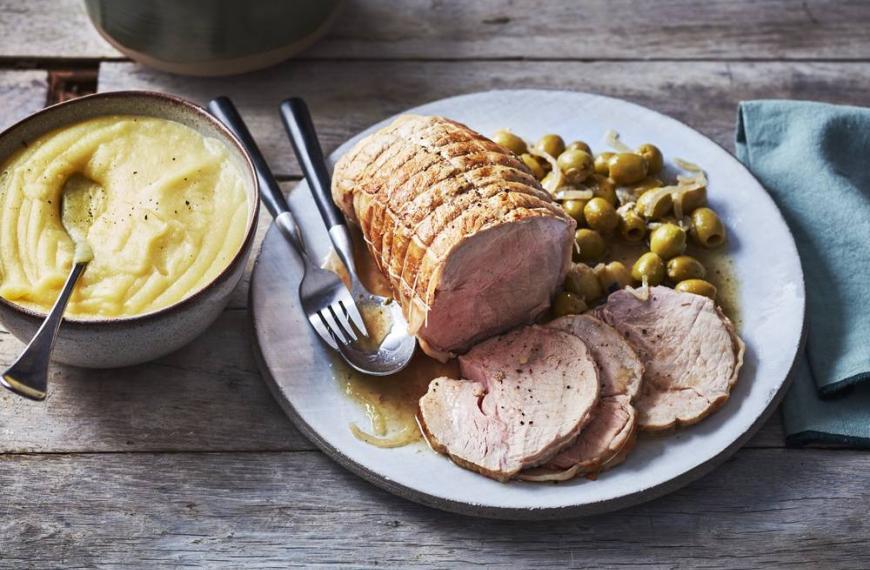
(164,210)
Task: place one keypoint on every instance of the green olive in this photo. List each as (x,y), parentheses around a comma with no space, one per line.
(602,161)
(590,245)
(651,266)
(685,267)
(632,227)
(574,208)
(647,183)
(568,304)
(510,141)
(579,145)
(707,228)
(604,187)
(694,199)
(654,205)
(576,165)
(668,240)
(582,280)
(698,287)
(613,276)
(600,215)
(533,165)
(551,144)
(627,168)
(653,156)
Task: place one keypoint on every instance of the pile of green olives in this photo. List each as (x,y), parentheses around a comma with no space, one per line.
(631,202)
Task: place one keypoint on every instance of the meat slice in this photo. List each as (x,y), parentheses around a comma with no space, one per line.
(690,352)
(527,394)
(443,210)
(611,432)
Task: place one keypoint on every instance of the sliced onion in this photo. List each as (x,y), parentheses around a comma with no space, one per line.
(625,196)
(611,137)
(625,208)
(403,437)
(574,194)
(558,180)
(543,475)
(641,293)
(688,166)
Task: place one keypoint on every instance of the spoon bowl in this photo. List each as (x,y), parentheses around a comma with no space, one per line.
(28,376)
(388,348)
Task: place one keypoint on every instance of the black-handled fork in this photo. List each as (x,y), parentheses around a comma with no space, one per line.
(397,346)
(327,303)
(303,137)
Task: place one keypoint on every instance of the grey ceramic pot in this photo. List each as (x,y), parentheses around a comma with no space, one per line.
(211,37)
(111,343)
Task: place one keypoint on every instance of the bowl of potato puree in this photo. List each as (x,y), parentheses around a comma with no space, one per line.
(169,202)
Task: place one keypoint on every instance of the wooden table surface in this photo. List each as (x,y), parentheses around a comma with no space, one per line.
(188,461)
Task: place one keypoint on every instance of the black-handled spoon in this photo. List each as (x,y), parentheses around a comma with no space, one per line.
(300,127)
(270,192)
(325,299)
(303,137)
(397,346)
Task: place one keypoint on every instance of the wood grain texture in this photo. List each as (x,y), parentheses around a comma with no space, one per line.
(347,97)
(170,404)
(21,93)
(208,396)
(600,29)
(49,29)
(763,508)
(497,29)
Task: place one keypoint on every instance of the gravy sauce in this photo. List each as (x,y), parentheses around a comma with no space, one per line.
(391,403)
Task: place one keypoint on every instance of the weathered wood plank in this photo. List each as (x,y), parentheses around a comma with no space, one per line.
(206,396)
(494,29)
(347,97)
(21,93)
(600,29)
(764,508)
(49,29)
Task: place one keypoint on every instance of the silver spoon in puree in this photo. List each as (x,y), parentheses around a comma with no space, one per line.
(81,198)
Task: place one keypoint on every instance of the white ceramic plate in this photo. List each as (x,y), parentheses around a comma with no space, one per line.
(771,305)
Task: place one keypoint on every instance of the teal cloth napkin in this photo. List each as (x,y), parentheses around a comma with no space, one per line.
(814,160)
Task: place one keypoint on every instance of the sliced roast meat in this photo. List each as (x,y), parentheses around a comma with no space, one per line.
(604,443)
(611,431)
(690,352)
(619,367)
(525,396)
(443,209)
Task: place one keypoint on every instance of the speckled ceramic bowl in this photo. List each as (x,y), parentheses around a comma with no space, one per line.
(116,342)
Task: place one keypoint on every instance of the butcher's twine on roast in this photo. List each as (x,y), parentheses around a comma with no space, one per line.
(471,243)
